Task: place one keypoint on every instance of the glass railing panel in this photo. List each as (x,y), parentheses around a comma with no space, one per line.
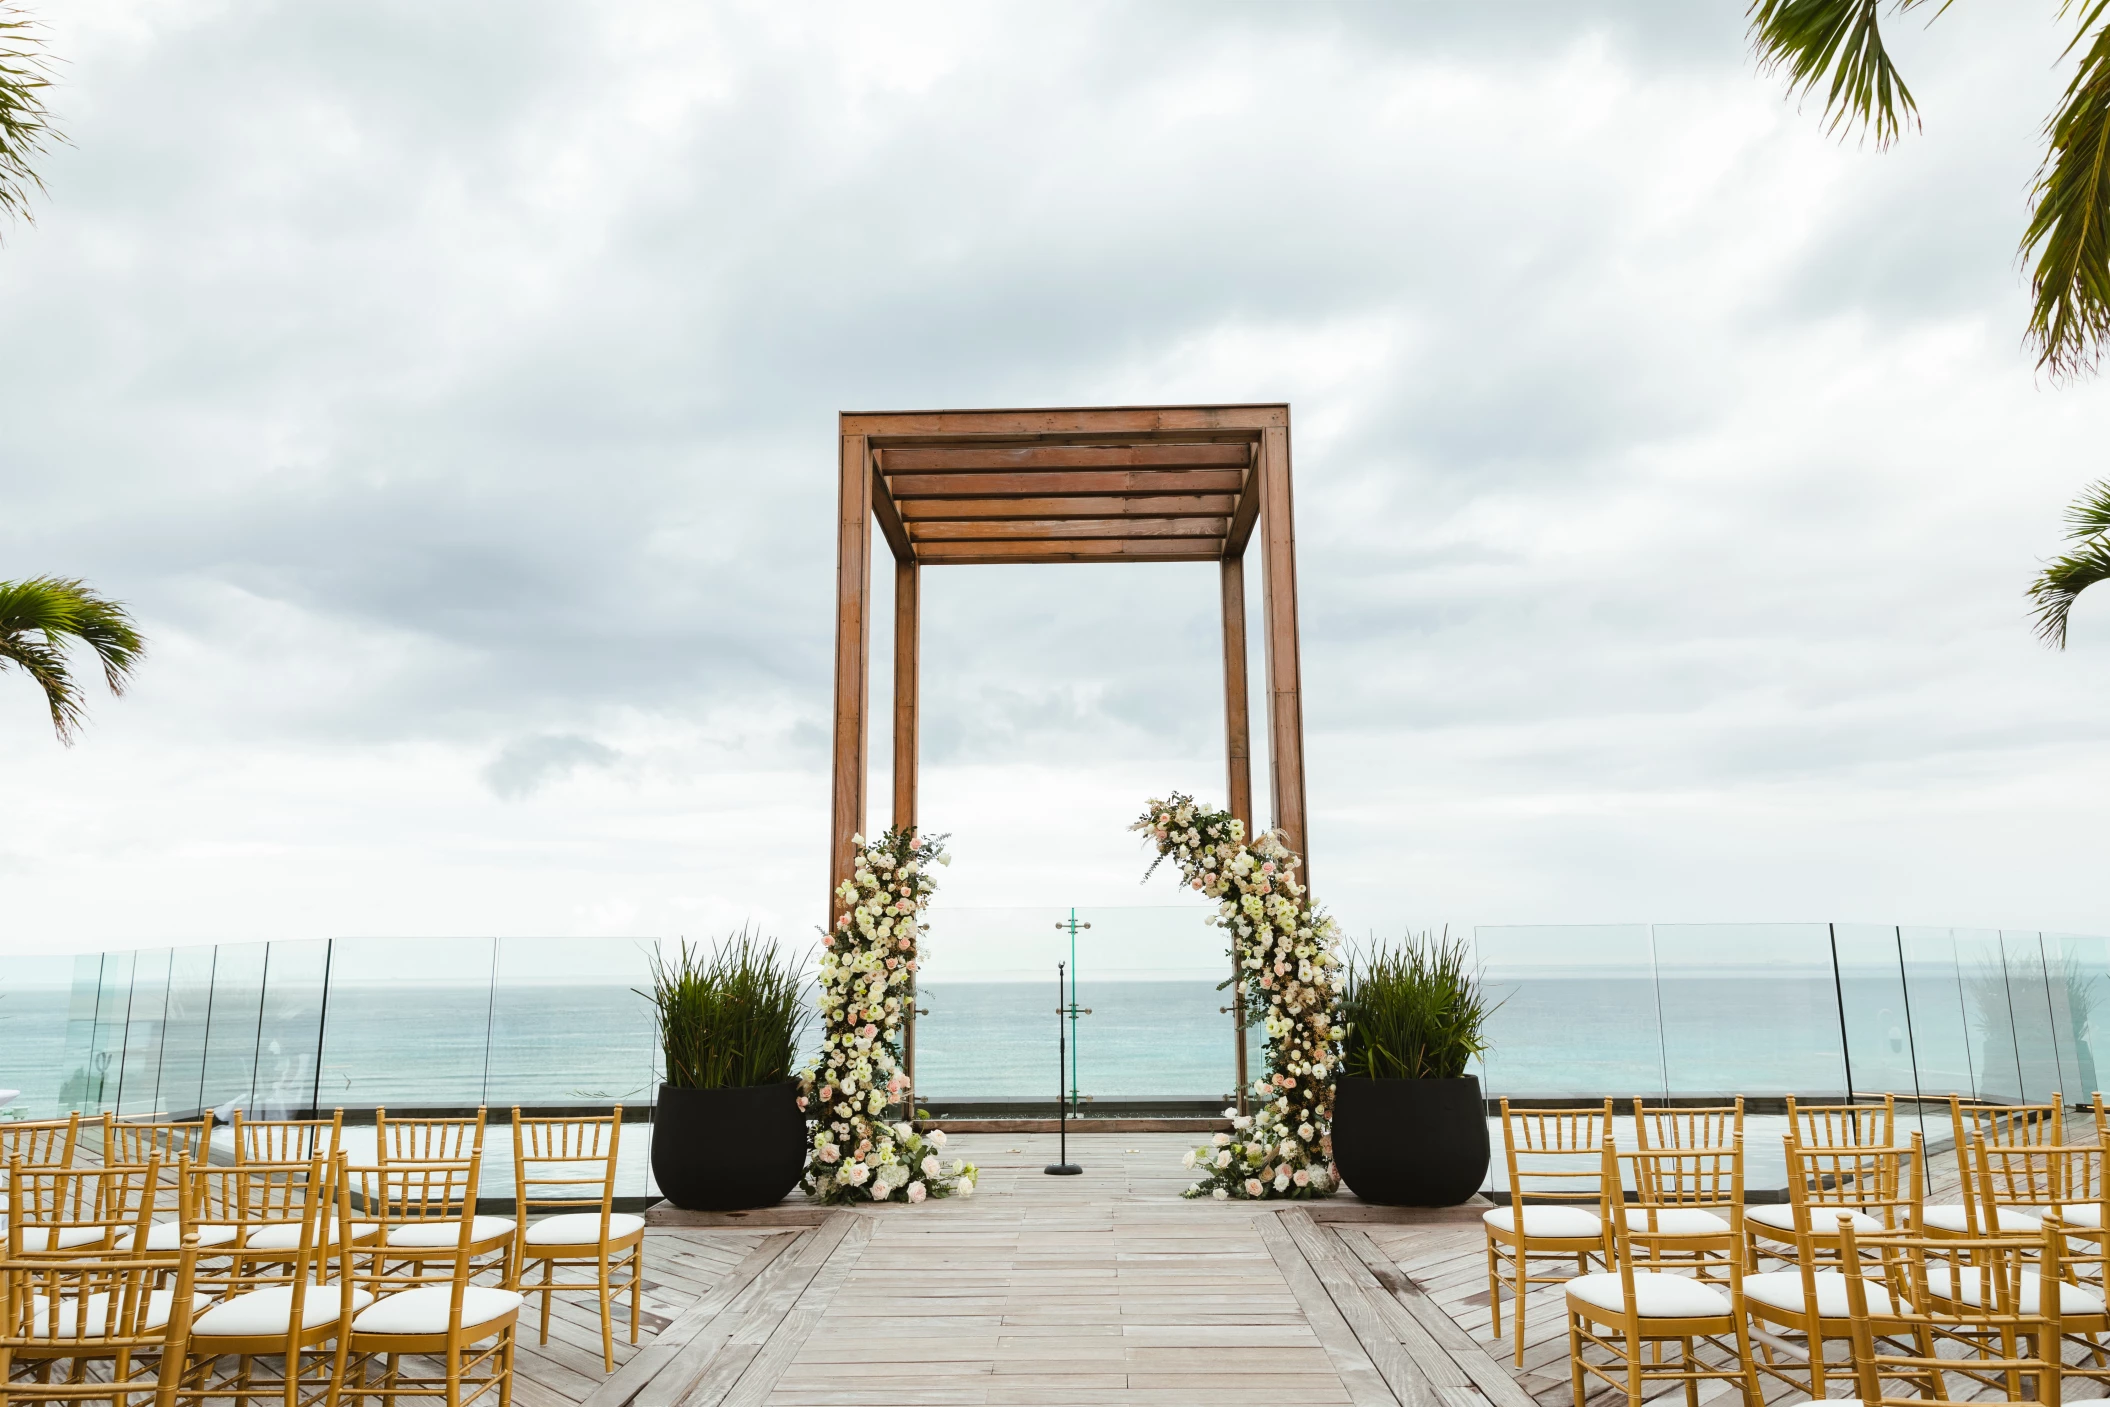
(231,1027)
(106,1038)
(1941,1025)
(1577,1013)
(570,1024)
(2079,968)
(81,1084)
(289,1031)
(146,1012)
(1879,1035)
(183,1033)
(390,995)
(986,986)
(1749,1009)
(36,995)
(1989,1007)
(2029,994)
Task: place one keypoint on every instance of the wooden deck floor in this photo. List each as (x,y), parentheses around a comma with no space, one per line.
(1105,1288)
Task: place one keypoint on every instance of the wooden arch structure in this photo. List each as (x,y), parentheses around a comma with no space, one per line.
(1118,484)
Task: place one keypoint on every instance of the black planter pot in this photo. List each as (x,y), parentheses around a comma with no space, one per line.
(726,1150)
(1410,1143)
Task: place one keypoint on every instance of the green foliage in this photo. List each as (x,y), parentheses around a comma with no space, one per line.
(2085,563)
(1842,39)
(731,1017)
(25,127)
(1414,1012)
(41,616)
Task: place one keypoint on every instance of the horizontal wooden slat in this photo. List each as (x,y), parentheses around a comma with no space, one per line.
(925,459)
(967,510)
(1171,549)
(1066,529)
(1056,484)
(1064,421)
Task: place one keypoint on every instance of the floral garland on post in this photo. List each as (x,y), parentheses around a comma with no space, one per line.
(868,965)
(1287,965)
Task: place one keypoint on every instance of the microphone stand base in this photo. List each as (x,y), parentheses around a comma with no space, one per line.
(1062,1170)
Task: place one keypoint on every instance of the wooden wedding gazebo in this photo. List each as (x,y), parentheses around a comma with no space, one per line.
(1113,484)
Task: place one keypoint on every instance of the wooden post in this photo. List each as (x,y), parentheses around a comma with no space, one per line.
(907,642)
(853,571)
(1238,760)
(1285,709)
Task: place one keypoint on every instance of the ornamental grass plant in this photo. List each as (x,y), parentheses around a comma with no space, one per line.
(1416,1011)
(731,1016)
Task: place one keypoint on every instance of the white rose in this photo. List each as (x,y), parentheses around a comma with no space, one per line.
(937,1138)
(1223,1159)
(1219,1194)
(1282,1182)
(915,1192)
(1223,1140)
(930,1165)
(1186,1159)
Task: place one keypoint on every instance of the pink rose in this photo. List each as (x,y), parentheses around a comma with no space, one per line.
(1252,1187)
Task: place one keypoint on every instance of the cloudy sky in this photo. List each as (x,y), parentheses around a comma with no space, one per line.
(451,392)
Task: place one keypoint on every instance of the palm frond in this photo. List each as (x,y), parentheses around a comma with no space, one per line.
(41,616)
(25,125)
(2088,563)
(1842,40)
(2069,223)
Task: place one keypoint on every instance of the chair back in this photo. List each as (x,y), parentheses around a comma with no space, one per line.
(1555,1155)
(1887,1185)
(426,1140)
(1844,1125)
(440,1193)
(1688,1178)
(285,1218)
(135,1310)
(136,1140)
(1972,1296)
(287,1140)
(2006,1125)
(566,1163)
(1716,1126)
(2066,1180)
(62,1211)
(47,1141)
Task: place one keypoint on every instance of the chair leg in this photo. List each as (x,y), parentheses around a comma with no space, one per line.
(1633,1371)
(549,1280)
(607,1326)
(1516,1308)
(637,1286)
(1575,1361)
(1494,1289)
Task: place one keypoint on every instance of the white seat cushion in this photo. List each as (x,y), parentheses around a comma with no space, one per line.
(2072,1298)
(270,1311)
(1782,1289)
(1538,1221)
(1678,1221)
(429,1234)
(101,1311)
(1948,1216)
(39,1238)
(1824,1221)
(168,1236)
(584,1228)
(285,1235)
(2088,1214)
(1657,1295)
(424,1311)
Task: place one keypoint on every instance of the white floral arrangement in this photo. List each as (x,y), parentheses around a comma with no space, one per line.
(868,966)
(1286,952)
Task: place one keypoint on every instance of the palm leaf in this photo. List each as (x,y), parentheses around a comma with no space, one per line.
(25,127)
(2064,578)
(2069,224)
(41,616)
(1842,40)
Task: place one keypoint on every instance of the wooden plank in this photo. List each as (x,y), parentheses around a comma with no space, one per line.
(1488,1375)
(784,1339)
(1065,529)
(1366,1386)
(1066,484)
(1243,517)
(961,554)
(969,510)
(927,459)
(1343,1282)
(908,646)
(853,564)
(1238,771)
(889,517)
(618,1389)
(1064,421)
(1285,708)
(742,1352)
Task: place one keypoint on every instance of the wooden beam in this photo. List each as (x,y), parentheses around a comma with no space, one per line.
(970,510)
(1066,529)
(1238,768)
(929,459)
(853,567)
(1065,421)
(1285,709)
(943,554)
(890,520)
(1244,516)
(907,689)
(1060,484)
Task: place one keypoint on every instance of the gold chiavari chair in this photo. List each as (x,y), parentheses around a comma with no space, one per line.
(1621,1321)
(1554,1159)
(118,1338)
(47,1141)
(1999,1126)
(179,1145)
(279,1307)
(2002,1330)
(1873,1190)
(444,1140)
(1851,1125)
(571,1163)
(2063,1187)
(415,1313)
(63,1211)
(1684,1216)
(287,1140)
(415,1210)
